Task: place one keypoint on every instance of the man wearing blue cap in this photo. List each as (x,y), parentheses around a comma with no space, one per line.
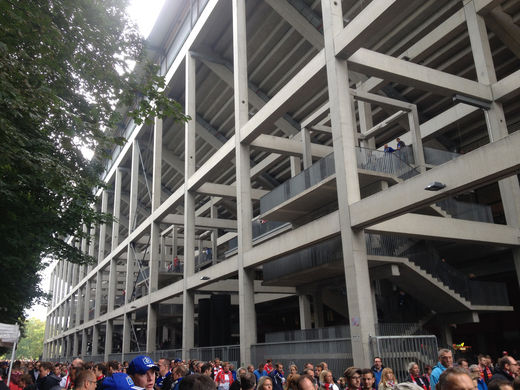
(119,381)
(142,370)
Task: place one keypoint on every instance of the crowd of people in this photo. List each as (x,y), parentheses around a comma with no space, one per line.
(143,373)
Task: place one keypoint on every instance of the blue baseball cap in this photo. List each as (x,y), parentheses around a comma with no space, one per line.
(119,381)
(140,365)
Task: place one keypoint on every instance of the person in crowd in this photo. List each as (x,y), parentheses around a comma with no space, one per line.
(485,371)
(415,376)
(445,361)
(292,382)
(507,369)
(342,383)
(474,372)
(164,379)
(251,369)
(293,369)
(33,370)
(46,379)
(236,385)
(142,370)
(277,376)
(428,372)
(26,382)
(197,382)
(353,378)
(307,366)
(367,379)
(259,372)
(119,381)
(112,367)
(224,378)
(216,367)
(178,374)
(462,363)
(85,380)
(454,378)
(317,372)
(206,369)
(326,381)
(377,369)
(100,371)
(264,383)
(305,382)
(500,384)
(388,380)
(516,383)
(268,367)
(248,381)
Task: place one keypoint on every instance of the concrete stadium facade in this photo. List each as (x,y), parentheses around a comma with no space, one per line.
(275,208)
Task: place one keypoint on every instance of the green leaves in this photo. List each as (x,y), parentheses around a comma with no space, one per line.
(60,74)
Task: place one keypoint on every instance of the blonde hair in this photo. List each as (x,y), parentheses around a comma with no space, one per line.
(384,374)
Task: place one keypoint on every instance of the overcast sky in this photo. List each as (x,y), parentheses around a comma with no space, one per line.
(144,12)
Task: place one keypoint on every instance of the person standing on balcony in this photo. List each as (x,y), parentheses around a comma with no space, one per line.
(400,144)
(388,149)
(445,361)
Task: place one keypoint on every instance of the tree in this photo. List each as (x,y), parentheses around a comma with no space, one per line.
(31,344)
(63,67)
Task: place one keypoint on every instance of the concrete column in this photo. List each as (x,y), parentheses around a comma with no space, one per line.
(345,142)
(75,345)
(68,350)
(296,165)
(130,277)
(95,340)
(108,339)
(188,301)
(246,298)
(305,311)
(78,307)
(64,279)
(175,237)
(446,335)
(319,311)
(127,333)
(103,227)
(112,285)
(117,207)
(415,132)
(82,268)
(153,280)
(365,122)
(70,268)
(84,342)
(151,329)
(99,290)
(52,288)
(495,118)
(214,233)
(86,301)
(91,245)
(306,144)
(134,186)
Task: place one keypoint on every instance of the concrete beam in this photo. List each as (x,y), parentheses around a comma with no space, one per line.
(488,164)
(285,146)
(507,88)
(449,229)
(202,222)
(227,191)
(417,76)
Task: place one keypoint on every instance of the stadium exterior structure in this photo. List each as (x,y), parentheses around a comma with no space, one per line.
(274,224)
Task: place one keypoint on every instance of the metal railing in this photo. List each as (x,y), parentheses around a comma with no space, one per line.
(261,229)
(437,157)
(166,353)
(466,210)
(226,353)
(367,159)
(337,352)
(398,351)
